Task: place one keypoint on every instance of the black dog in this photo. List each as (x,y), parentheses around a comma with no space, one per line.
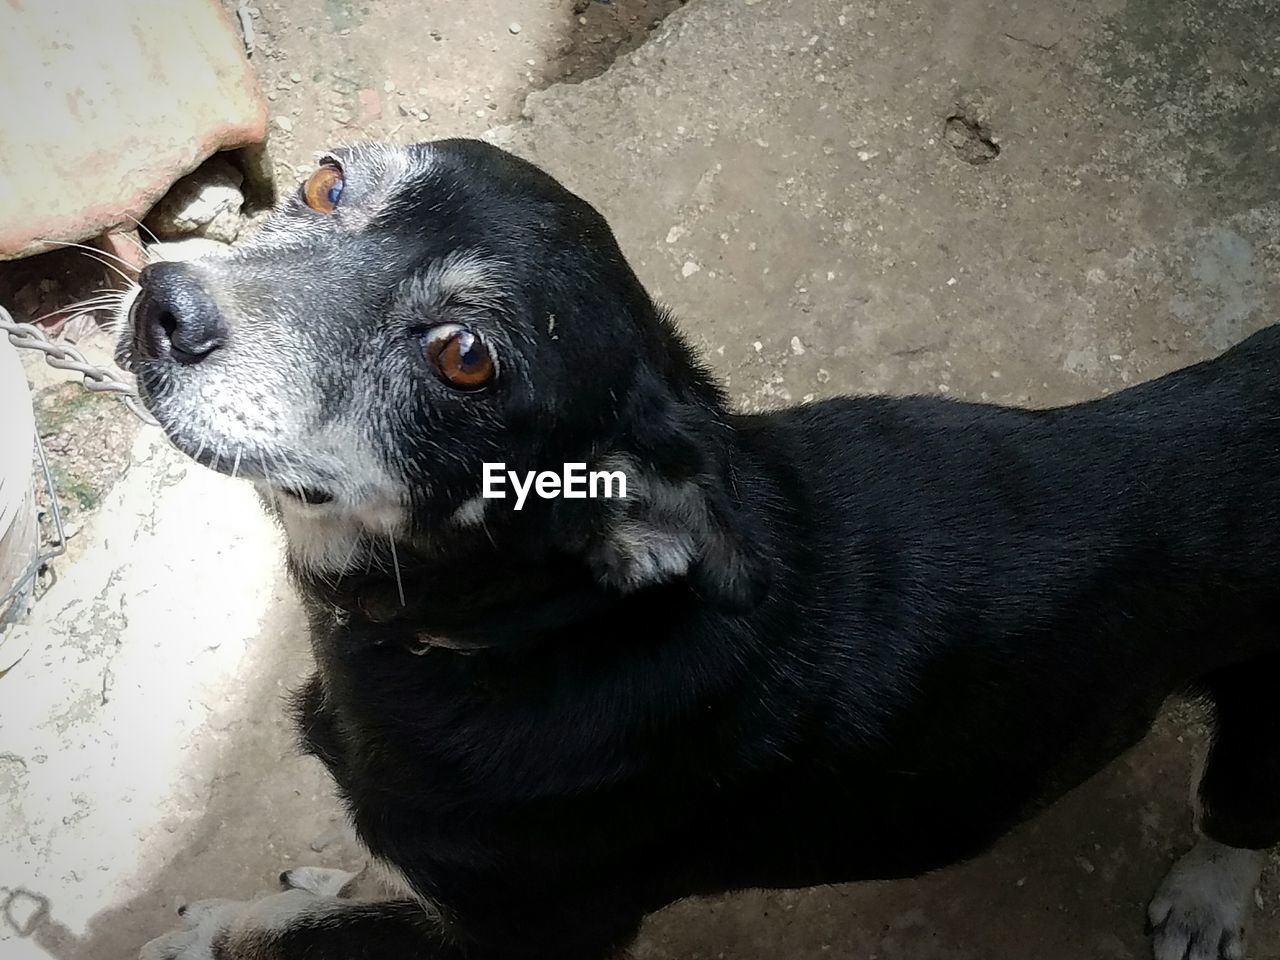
(854,639)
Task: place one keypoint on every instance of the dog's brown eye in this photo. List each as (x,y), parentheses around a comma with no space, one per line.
(323,188)
(459,357)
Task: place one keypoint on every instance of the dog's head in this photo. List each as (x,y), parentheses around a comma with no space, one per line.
(408,315)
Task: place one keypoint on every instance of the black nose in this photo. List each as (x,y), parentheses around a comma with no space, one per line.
(174,316)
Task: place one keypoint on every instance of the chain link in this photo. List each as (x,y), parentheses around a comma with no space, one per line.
(63,356)
(41,560)
(60,356)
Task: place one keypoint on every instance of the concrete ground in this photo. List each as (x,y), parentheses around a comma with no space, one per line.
(797,180)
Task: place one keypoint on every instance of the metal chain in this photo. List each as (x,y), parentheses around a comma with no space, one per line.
(49,553)
(62,356)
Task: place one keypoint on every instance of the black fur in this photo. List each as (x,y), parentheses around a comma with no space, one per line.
(908,624)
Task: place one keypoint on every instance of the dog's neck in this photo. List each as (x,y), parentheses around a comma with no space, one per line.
(466,603)
(508,585)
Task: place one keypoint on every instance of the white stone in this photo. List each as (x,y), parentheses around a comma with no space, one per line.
(205,203)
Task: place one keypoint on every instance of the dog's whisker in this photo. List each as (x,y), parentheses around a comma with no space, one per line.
(395,562)
(143,228)
(147,253)
(77,309)
(93,253)
(356,541)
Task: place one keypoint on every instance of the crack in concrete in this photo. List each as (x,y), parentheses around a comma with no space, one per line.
(1046,47)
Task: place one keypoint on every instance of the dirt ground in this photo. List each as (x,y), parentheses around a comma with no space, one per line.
(335,70)
(1029,203)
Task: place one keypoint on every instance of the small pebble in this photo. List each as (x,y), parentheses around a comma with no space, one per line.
(296,77)
(797,346)
(514,28)
(388,86)
(285,124)
(323,843)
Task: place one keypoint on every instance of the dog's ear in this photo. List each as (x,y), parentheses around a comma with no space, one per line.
(681,516)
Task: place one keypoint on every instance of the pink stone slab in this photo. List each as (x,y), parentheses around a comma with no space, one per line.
(105,103)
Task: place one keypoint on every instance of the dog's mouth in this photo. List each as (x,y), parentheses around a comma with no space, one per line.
(300,490)
(297,492)
(311,496)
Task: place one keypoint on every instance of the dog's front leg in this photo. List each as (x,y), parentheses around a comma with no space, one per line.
(300,924)
(334,915)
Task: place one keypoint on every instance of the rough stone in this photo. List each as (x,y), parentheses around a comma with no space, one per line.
(370,103)
(106,105)
(204,203)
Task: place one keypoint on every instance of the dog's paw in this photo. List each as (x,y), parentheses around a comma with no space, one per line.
(228,929)
(202,924)
(1201,910)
